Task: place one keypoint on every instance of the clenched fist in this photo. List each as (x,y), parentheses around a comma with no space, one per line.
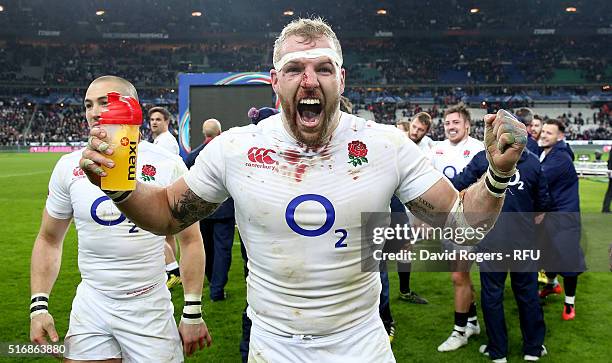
(505,138)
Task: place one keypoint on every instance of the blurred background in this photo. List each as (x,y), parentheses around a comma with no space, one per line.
(401,56)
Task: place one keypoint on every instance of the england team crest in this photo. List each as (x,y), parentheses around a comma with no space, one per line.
(357,151)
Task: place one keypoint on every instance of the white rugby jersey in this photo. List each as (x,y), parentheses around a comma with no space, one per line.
(168,142)
(299,214)
(451,159)
(115,257)
(426,145)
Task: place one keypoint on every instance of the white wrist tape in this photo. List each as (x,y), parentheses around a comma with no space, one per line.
(39,304)
(309,54)
(496,184)
(192,311)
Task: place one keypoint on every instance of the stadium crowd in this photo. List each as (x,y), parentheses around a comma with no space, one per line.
(388,75)
(371,61)
(175,19)
(22,122)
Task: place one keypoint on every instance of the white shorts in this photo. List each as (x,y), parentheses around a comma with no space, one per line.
(140,329)
(364,343)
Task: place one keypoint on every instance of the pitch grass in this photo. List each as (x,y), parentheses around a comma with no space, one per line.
(420,328)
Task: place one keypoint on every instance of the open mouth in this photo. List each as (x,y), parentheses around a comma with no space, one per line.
(310,110)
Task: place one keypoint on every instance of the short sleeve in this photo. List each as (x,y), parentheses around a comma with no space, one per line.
(416,173)
(180,169)
(206,177)
(58,204)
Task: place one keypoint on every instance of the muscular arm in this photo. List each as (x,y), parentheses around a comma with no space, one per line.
(47,253)
(192,259)
(433,207)
(165,211)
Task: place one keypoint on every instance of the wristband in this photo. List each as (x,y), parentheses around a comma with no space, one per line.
(496,184)
(39,304)
(192,311)
(118,196)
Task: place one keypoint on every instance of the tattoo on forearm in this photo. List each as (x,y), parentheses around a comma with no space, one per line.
(422,209)
(190,208)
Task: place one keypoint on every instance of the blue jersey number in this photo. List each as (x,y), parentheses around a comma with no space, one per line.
(134,228)
(330,218)
(340,242)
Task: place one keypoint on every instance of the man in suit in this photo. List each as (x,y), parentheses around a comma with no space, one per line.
(564,255)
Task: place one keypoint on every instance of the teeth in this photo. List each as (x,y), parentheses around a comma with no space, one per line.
(310,101)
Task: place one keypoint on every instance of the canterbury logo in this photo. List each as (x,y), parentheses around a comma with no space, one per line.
(261,155)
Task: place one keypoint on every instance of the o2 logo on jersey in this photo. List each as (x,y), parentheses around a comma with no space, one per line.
(449,171)
(93,211)
(330,218)
(516,180)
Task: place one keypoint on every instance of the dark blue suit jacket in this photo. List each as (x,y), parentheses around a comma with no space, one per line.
(562,178)
(532,146)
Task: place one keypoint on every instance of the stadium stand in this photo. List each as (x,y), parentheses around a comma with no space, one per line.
(408,58)
(174,18)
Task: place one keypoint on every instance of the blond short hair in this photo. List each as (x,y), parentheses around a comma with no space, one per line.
(424,118)
(309,30)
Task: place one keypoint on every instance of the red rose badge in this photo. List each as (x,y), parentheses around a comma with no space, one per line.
(148,172)
(357,153)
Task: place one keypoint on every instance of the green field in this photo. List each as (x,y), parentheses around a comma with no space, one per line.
(23,181)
